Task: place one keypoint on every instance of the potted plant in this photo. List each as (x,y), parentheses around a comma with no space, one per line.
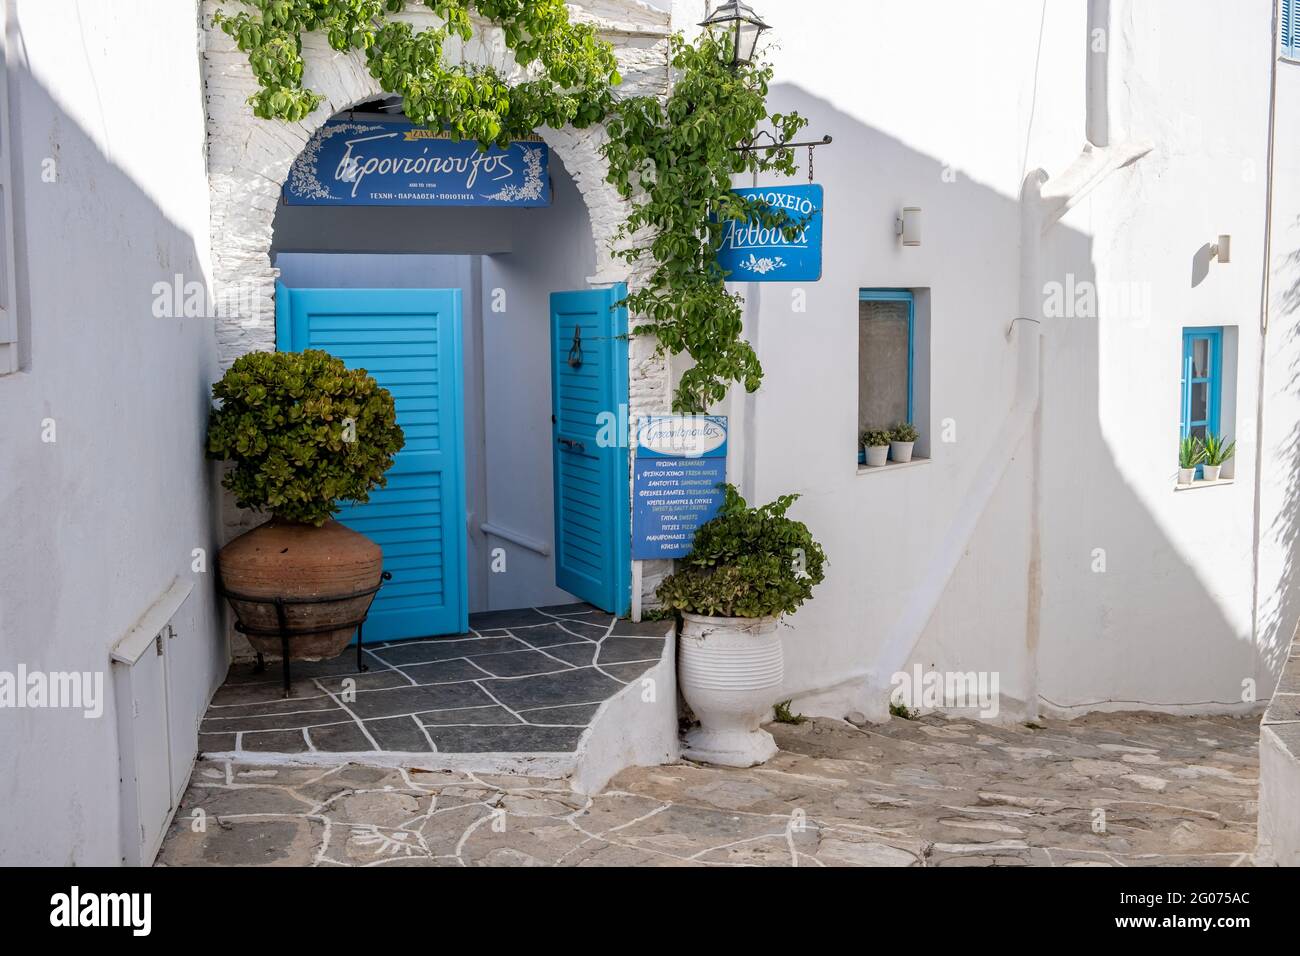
(1190,454)
(876,443)
(748,566)
(303,432)
(901,439)
(1215,454)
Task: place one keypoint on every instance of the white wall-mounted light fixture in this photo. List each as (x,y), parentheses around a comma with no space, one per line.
(908,226)
(1222,250)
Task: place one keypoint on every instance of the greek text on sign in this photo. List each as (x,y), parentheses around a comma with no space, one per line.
(681,462)
(351,162)
(682,436)
(752,252)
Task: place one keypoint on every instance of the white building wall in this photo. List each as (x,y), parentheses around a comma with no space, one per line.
(1277,603)
(950,106)
(98,523)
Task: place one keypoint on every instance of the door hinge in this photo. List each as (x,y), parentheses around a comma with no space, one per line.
(157,644)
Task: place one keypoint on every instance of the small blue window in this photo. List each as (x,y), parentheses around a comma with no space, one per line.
(1202,382)
(886,347)
(1290,29)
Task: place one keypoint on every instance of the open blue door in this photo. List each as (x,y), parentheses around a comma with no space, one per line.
(589,412)
(410,341)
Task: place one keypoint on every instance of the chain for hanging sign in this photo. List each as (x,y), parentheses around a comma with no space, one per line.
(810,163)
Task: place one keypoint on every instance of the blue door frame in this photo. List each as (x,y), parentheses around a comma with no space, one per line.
(410,341)
(589,385)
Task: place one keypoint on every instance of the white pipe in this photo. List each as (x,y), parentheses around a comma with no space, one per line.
(907,630)
(514,537)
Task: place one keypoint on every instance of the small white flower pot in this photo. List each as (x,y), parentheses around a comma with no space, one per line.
(730,670)
(901,451)
(1211,472)
(877,455)
(1186,475)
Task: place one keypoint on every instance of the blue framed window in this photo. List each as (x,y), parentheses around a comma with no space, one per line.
(1289,29)
(1202,382)
(886,354)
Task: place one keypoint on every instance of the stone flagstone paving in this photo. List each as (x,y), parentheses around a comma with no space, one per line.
(932,792)
(523,681)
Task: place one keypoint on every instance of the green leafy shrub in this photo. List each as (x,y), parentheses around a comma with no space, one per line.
(304,433)
(1190,452)
(875,438)
(747,562)
(903,431)
(1215,452)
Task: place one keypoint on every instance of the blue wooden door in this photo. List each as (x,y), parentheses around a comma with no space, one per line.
(589,416)
(410,341)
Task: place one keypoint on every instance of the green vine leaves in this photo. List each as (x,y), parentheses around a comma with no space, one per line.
(573,69)
(673,160)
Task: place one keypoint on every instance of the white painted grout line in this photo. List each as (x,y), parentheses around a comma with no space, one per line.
(361,725)
(433,748)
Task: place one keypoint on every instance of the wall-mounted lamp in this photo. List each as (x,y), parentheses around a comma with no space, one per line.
(908,226)
(1222,250)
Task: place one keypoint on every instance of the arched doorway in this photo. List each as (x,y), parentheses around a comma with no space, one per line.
(506,369)
(249,160)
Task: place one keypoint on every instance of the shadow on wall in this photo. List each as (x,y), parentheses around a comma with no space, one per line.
(1281,609)
(1125,636)
(101,519)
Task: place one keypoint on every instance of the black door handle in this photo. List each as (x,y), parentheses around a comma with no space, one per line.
(572,445)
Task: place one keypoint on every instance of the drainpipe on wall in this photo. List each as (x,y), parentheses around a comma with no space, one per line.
(1261,673)
(1043,202)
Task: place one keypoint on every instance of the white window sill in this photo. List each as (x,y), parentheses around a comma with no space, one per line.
(891,466)
(1202,483)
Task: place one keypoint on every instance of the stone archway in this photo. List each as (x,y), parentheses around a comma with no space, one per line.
(249,159)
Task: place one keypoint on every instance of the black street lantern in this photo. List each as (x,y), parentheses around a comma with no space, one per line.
(740,27)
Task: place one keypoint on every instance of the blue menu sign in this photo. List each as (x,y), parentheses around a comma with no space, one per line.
(350,162)
(680,462)
(752,252)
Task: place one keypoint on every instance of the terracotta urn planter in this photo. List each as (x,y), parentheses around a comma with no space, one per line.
(300,562)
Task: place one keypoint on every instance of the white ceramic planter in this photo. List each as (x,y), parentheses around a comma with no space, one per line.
(1211,472)
(877,455)
(901,451)
(730,670)
(1185,475)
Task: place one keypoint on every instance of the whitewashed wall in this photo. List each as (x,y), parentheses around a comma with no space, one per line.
(952,106)
(98,523)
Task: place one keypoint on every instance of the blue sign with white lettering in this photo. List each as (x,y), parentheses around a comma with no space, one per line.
(350,162)
(681,460)
(752,252)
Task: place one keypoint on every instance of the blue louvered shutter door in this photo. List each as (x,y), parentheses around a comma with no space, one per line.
(589,396)
(1289,27)
(410,341)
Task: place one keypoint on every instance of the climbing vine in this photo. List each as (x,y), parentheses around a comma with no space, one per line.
(570,70)
(673,160)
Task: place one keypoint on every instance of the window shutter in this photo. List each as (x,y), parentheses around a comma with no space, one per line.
(8,315)
(1290,28)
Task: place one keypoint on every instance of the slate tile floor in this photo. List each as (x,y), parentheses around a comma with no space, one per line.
(521,681)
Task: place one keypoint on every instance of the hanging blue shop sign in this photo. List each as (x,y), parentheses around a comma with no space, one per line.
(681,460)
(350,162)
(752,252)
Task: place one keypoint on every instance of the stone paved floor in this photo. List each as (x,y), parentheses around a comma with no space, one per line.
(524,681)
(1103,790)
